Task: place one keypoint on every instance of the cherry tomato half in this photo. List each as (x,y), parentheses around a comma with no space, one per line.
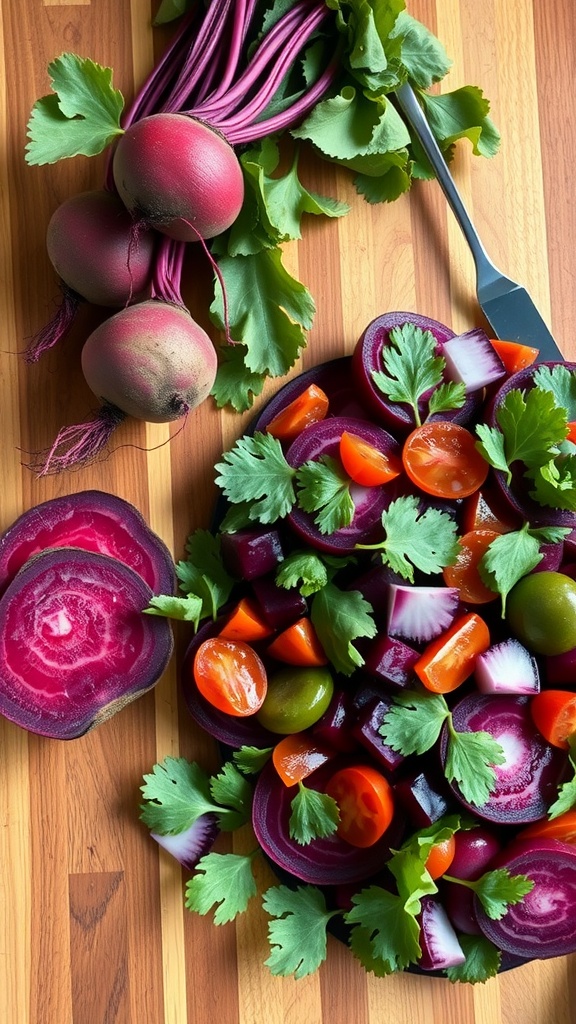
(464,574)
(231,676)
(365,802)
(441,458)
(440,857)
(449,660)
(364,463)
(309,407)
(297,755)
(563,827)
(554,715)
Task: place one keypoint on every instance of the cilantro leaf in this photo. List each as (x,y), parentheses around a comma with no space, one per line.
(268,310)
(530,428)
(178,792)
(483,960)
(509,557)
(470,760)
(324,487)
(313,815)
(413,723)
(202,576)
(448,395)
(184,609)
(340,617)
(250,760)
(566,798)
(562,383)
(393,932)
(222,879)
(256,470)
(426,540)
(82,115)
(235,384)
(555,483)
(297,933)
(411,367)
(303,569)
(497,890)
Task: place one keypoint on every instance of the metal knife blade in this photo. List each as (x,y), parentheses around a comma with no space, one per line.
(507,306)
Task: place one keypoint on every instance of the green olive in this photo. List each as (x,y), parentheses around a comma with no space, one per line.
(541,612)
(295,699)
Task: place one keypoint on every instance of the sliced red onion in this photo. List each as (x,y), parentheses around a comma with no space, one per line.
(526,783)
(421,613)
(438,940)
(189,846)
(472,360)
(543,924)
(331,861)
(507,667)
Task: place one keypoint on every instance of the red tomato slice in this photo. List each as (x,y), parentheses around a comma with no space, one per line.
(230,676)
(464,572)
(364,463)
(441,458)
(449,660)
(245,623)
(563,828)
(514,354)
(366,803)
(298,644)
(554,715)
(296,756)
(309,407)
(440,857)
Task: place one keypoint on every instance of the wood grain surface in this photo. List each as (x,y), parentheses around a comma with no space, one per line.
(93,928)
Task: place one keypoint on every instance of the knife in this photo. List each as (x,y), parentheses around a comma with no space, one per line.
(506,305)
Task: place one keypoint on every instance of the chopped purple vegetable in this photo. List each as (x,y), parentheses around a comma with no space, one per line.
(472,360)
(421,613)
(507,667)
(438,940)
(189,846)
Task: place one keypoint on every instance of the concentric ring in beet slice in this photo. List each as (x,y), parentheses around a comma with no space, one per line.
(526,783)
(95,521)
(75,646)
(330,861)
(370,502)
(367,359)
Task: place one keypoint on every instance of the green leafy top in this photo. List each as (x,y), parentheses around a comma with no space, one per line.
(178,792)
(512,555)
(415,538)
(412,368)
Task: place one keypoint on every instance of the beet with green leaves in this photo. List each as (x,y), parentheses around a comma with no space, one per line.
(75,646)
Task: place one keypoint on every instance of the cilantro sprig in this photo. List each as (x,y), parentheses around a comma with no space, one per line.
(416,538)
(512,555)
(497,890)
(413,725)
(413,369)
(178,792)
(202,578)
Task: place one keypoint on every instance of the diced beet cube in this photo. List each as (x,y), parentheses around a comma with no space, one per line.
(373,585)
(560,669)
(391,661)
(366,731)
(251,552)
(280,607)
(335,726)
(423,797)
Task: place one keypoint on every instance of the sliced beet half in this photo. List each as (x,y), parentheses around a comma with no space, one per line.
(370,502)
(516,493)
(527,781)
(367,359)
(95,521)
(330,861)
(543,924)
(75,646)
(335,379)
(230,731)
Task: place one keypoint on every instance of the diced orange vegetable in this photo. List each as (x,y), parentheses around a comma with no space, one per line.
(464,572)
(514,354)
(245,623)
(365,801)
(298,645)
(309,407)
(449,660)
(297,755)
(554,715)
(440,857)
(485,510)
(366,464)
(563,828)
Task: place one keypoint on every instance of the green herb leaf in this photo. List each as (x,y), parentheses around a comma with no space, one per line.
(566,798)
(426,540)
(483,960)
(562,383)
(470,760)
(250,760)
(178,792)
(414,722)
(230,789)
(235,384)
(509,557)
(411,367)
(313,815)
(224,880)
(184,609)
(388,931)
(297,933)
(497,890)
(530,428)
(324,487)
(448,395)
(256,470)
(202,576)
(340,617)
(302,569)
(82,115)
(555,483)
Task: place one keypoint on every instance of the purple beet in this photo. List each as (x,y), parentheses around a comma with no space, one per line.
(423,796)
(321,439)
(367,732)
(333,377)
(280,606)
(94,521)
(74,642)
(335,726)
(390,661)
(251,552)
(526,783)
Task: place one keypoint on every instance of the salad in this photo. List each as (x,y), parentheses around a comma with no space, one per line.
(384,645)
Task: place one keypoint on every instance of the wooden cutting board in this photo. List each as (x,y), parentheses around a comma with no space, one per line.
(92,923)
